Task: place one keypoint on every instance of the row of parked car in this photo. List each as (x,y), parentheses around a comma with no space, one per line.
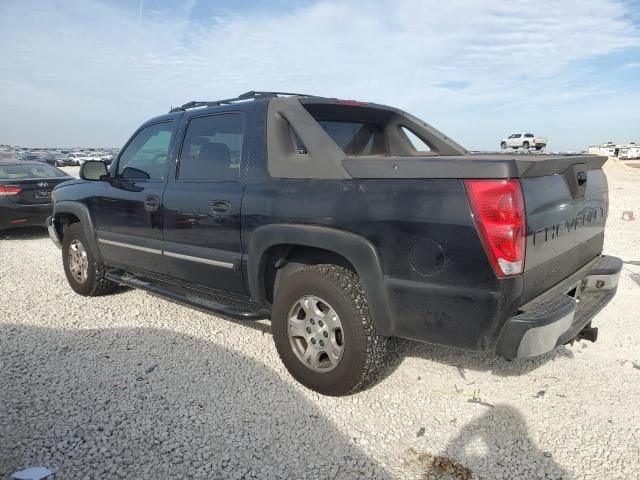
(59,157)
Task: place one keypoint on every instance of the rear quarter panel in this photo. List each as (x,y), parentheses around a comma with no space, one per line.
(439,283)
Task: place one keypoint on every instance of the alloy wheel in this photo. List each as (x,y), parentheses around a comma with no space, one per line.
(78,261)
(315,333)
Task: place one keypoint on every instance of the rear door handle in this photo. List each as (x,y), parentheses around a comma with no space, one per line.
(220,207)
(151,203)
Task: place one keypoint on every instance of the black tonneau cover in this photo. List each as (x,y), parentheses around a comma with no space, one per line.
(498,165)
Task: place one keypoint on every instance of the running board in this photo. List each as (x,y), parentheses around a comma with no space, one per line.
(187,297)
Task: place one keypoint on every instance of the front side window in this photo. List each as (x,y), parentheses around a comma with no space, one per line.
(212,148)
(146,156)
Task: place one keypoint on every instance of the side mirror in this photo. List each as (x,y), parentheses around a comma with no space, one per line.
(93,170)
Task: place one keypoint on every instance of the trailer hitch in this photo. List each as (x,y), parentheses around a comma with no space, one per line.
(588,333)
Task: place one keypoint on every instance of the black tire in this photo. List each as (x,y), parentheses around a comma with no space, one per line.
(538,148)
(525,145)
(363,350)
(95,283)
(503,145)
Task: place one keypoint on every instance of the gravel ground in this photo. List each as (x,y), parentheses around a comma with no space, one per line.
(133,386)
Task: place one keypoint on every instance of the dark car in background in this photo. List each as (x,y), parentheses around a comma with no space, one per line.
(25,192)
(58,160)
(27,156)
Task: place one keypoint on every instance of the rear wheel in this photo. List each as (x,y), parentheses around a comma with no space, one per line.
(525,145)
(323,331)
(84,274)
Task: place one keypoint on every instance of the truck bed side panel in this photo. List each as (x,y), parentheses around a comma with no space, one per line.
(440,284)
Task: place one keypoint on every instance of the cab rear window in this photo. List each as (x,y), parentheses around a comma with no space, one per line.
(357,130)
(356,138)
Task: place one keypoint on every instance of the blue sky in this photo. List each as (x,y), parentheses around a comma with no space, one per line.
(88,72)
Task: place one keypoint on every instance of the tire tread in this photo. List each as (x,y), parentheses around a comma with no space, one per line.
(100,285)
(376,345)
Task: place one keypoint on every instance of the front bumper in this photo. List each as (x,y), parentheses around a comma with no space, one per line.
(53,232)
(562,312)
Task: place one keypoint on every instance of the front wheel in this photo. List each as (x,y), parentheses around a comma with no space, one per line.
(525,145)
(84,274)
(503,145)
(323,331)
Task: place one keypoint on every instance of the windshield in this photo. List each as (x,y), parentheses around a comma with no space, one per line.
(25,172)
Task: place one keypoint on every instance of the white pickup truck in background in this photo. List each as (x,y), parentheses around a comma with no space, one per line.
(523,140)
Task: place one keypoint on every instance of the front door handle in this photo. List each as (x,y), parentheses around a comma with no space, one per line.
(151,203)
(220,207)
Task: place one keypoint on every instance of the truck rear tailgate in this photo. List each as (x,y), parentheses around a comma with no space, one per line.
(566,216)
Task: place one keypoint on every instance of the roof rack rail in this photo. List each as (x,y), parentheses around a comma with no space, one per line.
(251,95)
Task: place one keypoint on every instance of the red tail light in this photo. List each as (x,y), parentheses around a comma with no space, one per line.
(5,190)
(498,212)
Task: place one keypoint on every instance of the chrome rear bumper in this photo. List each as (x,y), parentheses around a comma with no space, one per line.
(561,313)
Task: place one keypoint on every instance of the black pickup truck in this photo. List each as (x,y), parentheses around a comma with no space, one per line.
(345,223)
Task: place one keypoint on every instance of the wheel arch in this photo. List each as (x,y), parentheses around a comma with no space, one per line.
(302,245)
(68,212)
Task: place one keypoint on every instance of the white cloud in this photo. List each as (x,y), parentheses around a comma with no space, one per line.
(513,56)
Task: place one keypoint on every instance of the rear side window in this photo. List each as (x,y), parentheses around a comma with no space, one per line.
(11,172)
(146,156)
(528,135)
(212,148)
